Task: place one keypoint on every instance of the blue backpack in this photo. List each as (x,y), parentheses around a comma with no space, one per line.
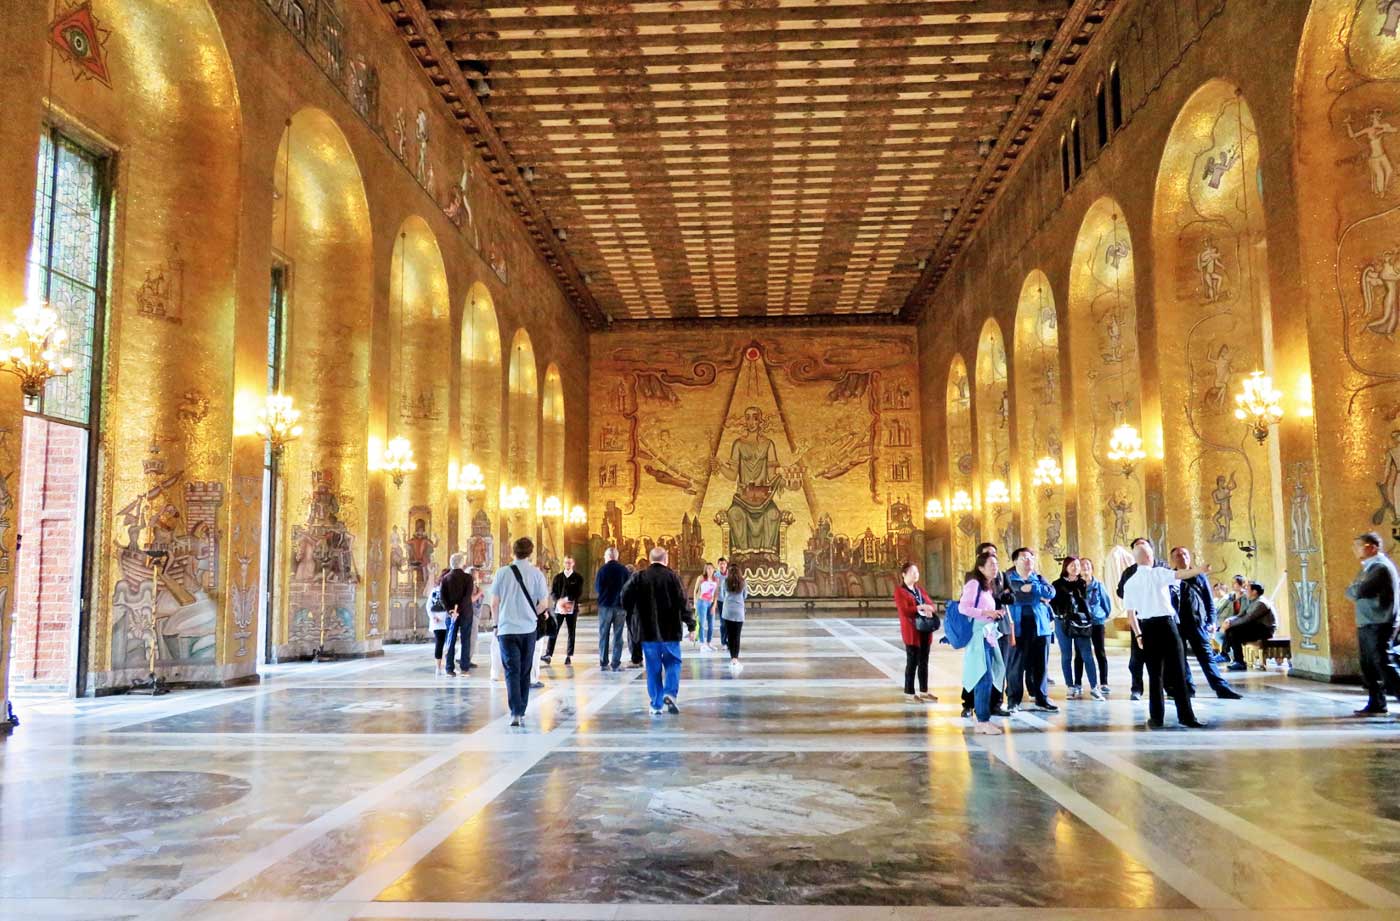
(957,626)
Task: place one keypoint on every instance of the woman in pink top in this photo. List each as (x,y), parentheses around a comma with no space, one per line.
(703,593)
(983,668)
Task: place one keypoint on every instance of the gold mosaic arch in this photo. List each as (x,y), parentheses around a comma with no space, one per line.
(962,468)
(1039,407)
(420,354)
(1106,386)
(321,236)
(552,428)
(522,438)
(992,404)
(1215,326)
(480,415)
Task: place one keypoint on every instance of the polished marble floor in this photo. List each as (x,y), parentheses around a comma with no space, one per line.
(804,788)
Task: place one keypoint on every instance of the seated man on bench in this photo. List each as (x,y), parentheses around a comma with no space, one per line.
(1255,622)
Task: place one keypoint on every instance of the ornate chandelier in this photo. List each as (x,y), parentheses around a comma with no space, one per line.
(515,499)
(1258,405)
(1125,448)
(577,515)
(31,342)
(962,502)
(398,460)
(279,422)
(551,507)
(934,511)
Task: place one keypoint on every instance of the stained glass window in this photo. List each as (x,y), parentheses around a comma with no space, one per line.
(66,265)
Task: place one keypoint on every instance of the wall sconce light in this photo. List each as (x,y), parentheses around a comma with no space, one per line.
(398,461)
(934,511)
(29,350)
(1257,406)
(469,480)
(578,515)
(998,494)
(515,499)
(1047,474)
(961,503)
(551,507)
(278,422)
(1305,396)
(1125,448)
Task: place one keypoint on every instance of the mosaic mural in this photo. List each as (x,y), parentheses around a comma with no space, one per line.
(795,456)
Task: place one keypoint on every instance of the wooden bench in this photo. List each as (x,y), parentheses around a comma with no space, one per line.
(1279,649)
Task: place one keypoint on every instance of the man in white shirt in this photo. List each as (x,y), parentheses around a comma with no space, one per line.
(1147,596)
(519,595)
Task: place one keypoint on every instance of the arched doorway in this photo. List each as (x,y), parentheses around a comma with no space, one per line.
(1038,416)
(317,354)
(522,443)
(962,484)
(552,469)
(994,466)
(420,354)
(1107,384)
(480,424)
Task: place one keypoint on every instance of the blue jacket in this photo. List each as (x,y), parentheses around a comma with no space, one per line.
(1036,601)
(1100,605)
(607,585)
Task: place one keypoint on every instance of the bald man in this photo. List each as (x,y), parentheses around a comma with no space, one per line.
(607,588)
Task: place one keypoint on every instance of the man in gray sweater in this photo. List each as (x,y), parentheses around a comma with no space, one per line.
(1376,592)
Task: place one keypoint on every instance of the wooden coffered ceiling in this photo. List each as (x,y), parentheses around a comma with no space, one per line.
(748,158)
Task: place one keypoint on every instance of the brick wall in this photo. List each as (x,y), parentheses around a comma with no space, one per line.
(46,590)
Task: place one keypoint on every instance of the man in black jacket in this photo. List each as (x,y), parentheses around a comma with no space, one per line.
(459,596)
(1195,613)
(655,602)
(565,594)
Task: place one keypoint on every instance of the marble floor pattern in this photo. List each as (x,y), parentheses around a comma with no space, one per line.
(804,788)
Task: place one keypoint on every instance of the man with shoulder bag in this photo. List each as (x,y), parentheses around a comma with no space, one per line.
(519,600)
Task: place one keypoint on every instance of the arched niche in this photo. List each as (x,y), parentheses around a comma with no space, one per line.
(522,436)
(1215,327)
(1107,382)
(166,388)
(962,483)
(322,244)
(480,414)
(552,460)
(420,355)
(993,402)
(1346,145)
(1036,356)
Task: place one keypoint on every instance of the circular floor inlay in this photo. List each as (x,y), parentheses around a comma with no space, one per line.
(769,805)
(114,801)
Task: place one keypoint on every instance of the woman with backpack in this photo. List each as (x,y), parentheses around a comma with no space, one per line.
(733,590)
(983,666)
(1074,628)
(437,620)
(917,624)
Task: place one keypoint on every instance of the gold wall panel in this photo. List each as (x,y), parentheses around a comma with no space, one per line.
(522,443)
(796,454)
(1038,402)
(1106,387)
(1215,326)
(481,411)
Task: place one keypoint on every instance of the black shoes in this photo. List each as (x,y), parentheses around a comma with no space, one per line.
(1369,710)
(545,660)
(1045,706)
(1000,711)
(670,703)
(1194,724)
(1227,694)
(568,660)
(966,712)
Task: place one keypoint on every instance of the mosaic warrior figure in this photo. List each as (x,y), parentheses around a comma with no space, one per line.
(1216,169)
(1211,267)
(1224,515)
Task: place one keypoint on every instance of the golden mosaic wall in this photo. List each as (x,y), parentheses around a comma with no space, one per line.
(1038,386)
(796,454)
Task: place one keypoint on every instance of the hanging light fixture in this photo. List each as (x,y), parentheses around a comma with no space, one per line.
(515,499)
(398,460)
(1258,405)
(961,503)
(469,480)
(934,510)
(29,348)
(278,422)
(1125,448)
(551,507)
(578,515)
(998,494)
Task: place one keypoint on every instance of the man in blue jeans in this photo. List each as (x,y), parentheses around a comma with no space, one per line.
(519,595)
(607,587)
(656,600)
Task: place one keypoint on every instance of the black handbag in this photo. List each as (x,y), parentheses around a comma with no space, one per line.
(924,623)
